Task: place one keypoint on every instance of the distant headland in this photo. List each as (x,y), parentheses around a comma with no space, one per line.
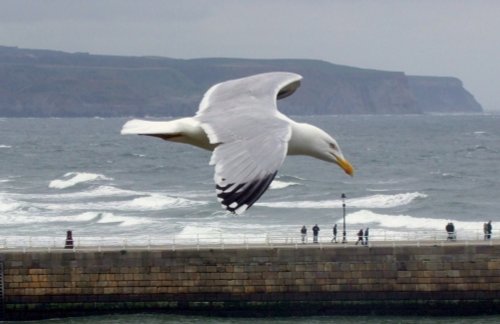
(45,83)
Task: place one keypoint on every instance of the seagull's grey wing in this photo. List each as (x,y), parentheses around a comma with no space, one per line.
(263,89)
(252,136)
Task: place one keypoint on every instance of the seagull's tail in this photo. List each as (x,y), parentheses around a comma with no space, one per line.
(144,127)
(185,130)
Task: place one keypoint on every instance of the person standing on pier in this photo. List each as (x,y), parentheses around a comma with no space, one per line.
(360,237)
(450,229)
(489,229)
(334,239)
(366,236)
(69,240)
(303,233)
(315,233)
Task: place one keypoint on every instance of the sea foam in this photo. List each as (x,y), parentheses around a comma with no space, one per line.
(35,218)
(364,217)
(110,218)
(7,204)
(96,217)
(277,184)
(71,179)
(159,202)
(98,192)
(385,201)
(373,201)
(149,202)
(210,233)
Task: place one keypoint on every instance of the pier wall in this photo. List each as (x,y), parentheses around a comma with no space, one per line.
(440,279)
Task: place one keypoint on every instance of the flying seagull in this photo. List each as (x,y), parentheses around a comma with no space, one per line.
(239,121)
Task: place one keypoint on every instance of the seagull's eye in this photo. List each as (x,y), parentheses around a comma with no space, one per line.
(333,146)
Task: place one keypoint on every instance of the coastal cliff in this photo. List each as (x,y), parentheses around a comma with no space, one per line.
(43,83)
(442,95)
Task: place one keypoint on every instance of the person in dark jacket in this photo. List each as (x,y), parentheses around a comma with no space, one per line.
(489,229)
(315,233)
(450,229)
(303,233)
(334,239)
(360,237)
(366,236)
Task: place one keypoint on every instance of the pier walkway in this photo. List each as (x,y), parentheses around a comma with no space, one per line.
(176,242)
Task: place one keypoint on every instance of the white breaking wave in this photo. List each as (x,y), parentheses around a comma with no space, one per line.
(33,218)
(99,192)
(150,202)
(205,230)
(364,217)
(385,201)
(104,191)
(7,205)
(73,178)
(195,194)
(102,198)
(223,232)
(97,217)
(374,201)
(378,190)
(159,202)
(110,218)
(5,146)
(277,184)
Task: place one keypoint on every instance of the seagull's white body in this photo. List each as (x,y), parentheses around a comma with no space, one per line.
(239,121)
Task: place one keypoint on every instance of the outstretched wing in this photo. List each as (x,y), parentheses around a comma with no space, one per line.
(241,116)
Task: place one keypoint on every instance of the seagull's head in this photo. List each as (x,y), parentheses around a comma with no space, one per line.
(326,148)
(310,140)
(338,158)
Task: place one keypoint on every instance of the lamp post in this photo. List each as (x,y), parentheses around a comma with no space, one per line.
(344,239)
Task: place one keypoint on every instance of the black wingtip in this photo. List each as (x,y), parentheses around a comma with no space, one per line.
(244,195)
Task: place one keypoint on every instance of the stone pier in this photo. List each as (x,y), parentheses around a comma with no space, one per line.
(449,278)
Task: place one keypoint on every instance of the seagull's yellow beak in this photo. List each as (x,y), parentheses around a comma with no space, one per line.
(346,166)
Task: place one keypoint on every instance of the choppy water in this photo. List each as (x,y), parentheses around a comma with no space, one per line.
(413,173)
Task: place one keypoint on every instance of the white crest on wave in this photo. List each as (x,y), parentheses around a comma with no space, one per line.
(149,202)
(109,218)
(373,201)
(364,217)
(7,204)
(277,184)
(73,178)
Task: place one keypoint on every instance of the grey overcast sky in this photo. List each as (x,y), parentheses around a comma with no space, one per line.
(420,37)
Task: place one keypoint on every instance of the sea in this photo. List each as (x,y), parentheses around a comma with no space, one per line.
(413,175)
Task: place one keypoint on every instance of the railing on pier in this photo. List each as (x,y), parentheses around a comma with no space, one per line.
(180,241)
